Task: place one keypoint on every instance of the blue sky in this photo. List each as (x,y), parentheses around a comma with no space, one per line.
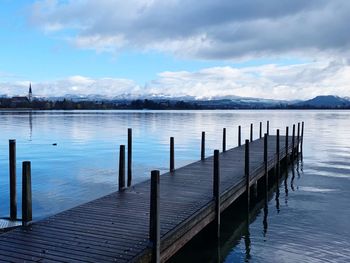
(174,48)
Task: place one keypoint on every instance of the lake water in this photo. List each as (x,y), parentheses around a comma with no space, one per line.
(309,224)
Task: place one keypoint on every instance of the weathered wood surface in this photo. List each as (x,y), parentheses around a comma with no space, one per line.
(115,228)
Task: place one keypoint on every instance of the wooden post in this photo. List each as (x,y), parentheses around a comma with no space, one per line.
(129,156)
(246,172)
(224,140)
(239,136)
(154,220)
(12,168)
(278,153)
(302,137)
(121,184)
(203,146)
(216,191)
(251,132)
(267,127)
(260,130)
(26,193)
(287,134)
(172,155)
(265,165)
(293,142)
(298,138)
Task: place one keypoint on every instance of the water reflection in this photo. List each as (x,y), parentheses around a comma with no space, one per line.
(247,241)
(265,223)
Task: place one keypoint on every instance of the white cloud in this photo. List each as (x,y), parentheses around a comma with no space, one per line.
(223,29)
(289,82)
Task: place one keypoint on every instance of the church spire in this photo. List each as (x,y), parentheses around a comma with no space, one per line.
(30,94)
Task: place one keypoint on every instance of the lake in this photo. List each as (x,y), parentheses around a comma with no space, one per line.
(307,222)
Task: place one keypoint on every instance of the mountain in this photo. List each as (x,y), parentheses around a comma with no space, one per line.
(327,101)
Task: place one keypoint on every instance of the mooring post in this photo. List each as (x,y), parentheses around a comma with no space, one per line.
(260,130)
(265,165)
(239,136)
(216,191)
(172,155)
(129,156)
(278,153)
(12,168)
(287,131)
(203,146)
(298,138)
(293,142)
(224,139)
(26,193)
(121,184)
(268,127)
(251,132)
(154,220)
(302,137)
(246,172)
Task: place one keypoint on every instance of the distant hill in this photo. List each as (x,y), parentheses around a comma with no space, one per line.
(328,101)
(164,103)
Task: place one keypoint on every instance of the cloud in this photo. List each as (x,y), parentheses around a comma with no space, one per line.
(223,29)
(74,85)
(271,81)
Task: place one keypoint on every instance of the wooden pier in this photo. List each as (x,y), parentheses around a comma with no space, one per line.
(152,220)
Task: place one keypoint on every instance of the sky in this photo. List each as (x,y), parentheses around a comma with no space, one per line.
(275,49)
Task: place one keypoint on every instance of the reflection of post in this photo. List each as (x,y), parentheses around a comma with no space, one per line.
(218,251)
(247,241)
(286,186)
(278,198)
(30,125)
(292,181)
(266,211)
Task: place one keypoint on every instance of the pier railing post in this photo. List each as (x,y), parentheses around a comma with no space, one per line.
(26,193)
(121,181)
(216,191)
(224,140)
(172,155)
(129,157)
(246,173)
(268,127)
(298,138)
(260,130)
(154,220)
(293,142)
(239,136)
(287,138)
(12,168)
(266,172)
(203,146)
(251,132)
(278,153)
(302,137)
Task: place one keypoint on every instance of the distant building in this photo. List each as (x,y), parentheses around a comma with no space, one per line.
(23,100)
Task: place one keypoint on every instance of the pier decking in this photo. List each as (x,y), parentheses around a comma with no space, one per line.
(115,228)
